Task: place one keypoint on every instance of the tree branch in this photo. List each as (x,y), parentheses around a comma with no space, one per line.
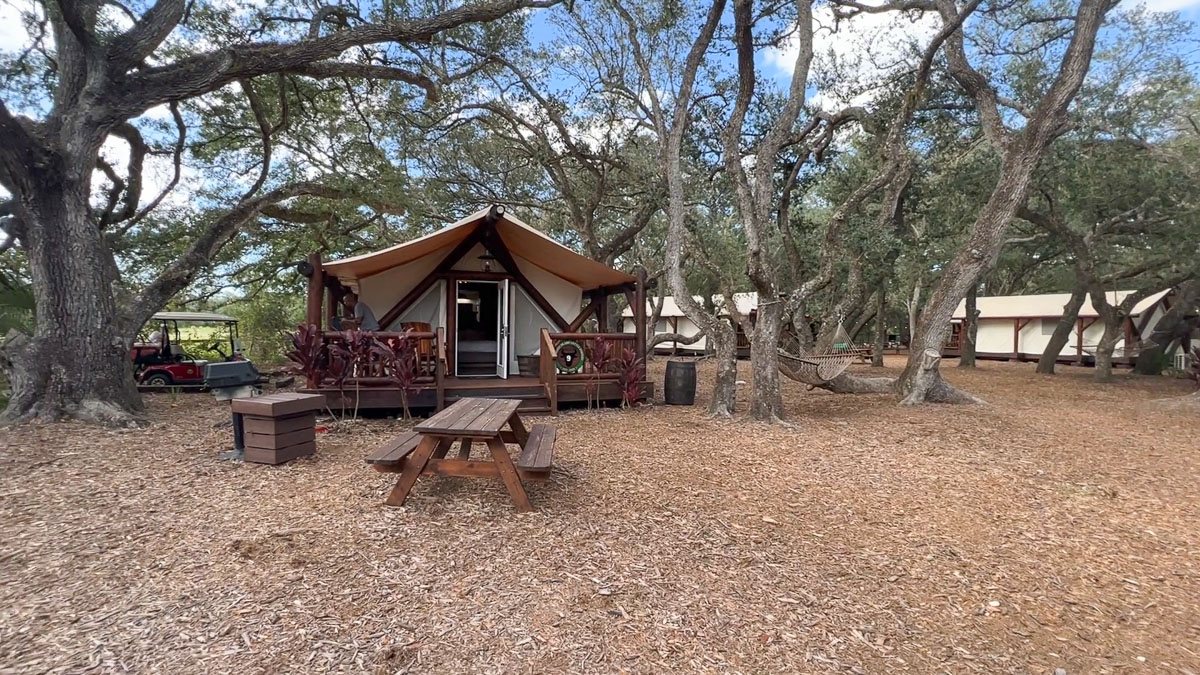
(329,69)
(184,269)
(207,72)
(135,44)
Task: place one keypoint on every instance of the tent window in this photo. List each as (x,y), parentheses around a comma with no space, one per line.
(1048,326)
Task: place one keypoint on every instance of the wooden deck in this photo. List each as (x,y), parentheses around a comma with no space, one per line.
(591,378)
(529,390)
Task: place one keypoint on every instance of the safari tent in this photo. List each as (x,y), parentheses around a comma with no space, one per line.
(1018,327)
(673,320)
(493,301)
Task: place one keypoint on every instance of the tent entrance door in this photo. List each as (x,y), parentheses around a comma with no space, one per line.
(481,328)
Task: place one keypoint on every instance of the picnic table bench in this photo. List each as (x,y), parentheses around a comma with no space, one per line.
(424,450)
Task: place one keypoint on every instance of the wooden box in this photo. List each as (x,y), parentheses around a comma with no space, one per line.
(279,427)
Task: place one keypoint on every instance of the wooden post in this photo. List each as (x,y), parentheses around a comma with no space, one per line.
(439,369)
(316,286)
(548,372)
(639,312)
(451,323)
(602,309)
(675,329)
(334,295)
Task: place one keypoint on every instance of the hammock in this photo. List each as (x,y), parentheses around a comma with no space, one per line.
(821,368)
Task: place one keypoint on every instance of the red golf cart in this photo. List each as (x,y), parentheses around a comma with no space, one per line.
(160,359)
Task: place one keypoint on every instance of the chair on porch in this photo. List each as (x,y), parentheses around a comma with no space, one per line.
(426,350)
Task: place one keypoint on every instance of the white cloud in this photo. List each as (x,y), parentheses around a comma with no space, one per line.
(851,56)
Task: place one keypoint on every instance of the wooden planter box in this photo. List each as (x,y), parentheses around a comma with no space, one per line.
(279,427)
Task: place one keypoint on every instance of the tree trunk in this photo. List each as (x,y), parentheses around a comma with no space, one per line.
(766,401)
(1062,332)
(724,392)
(921,381)
(1152,356)
(77,364)
(880,325)
(913,312)
(970,329)
(1106,346)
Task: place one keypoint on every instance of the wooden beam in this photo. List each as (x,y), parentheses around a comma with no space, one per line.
(495,245)
(439,272)
(316,288)
(602,310)
(583,315)
(476,276)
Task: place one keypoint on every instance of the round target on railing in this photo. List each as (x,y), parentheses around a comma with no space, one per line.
(568,357)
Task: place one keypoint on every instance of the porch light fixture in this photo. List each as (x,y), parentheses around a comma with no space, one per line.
(487,259)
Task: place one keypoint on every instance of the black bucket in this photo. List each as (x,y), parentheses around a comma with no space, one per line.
(680,385)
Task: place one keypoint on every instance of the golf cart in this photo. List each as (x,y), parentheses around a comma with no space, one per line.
(160,359)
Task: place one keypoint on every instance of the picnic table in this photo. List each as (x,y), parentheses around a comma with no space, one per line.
(424,450)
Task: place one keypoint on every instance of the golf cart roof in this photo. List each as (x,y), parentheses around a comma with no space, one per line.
(192,316)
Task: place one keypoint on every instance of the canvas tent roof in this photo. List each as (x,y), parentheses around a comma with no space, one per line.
(521,239)
(745,302)
(1046,305)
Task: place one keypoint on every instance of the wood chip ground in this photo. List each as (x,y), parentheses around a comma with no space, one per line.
(1056,527)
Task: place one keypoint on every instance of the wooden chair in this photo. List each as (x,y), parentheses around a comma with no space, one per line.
(426,350)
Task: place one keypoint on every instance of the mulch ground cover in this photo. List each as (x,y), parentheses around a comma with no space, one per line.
(1056,527)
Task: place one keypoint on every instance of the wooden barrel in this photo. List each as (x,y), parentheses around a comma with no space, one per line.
(680,385)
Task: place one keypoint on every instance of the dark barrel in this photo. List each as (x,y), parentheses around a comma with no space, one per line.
(680,385)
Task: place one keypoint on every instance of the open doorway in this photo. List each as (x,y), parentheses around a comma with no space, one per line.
(481,326)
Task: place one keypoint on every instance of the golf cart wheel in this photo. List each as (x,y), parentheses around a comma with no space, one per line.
(158,380)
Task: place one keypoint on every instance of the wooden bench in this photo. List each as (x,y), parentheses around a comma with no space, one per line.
(537,456)
(389,458)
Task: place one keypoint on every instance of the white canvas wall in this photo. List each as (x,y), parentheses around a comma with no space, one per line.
(686,329)
(525,329)
(470,261)
(382,291)
(565,297)
(996,336)
(430,308)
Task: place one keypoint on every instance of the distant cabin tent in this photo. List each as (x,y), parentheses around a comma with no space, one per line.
(673,320)
(1018,327)
(490,281)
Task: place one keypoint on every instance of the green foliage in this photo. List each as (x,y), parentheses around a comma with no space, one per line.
(16,308)
(265,321)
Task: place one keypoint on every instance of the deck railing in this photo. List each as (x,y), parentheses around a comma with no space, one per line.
(579,357)
(370,370)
